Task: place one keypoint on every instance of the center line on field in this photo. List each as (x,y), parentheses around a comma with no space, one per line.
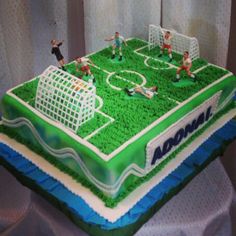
(99,68)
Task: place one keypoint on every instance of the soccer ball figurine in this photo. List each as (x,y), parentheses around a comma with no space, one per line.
(186,65)
(167,36)
(117,43)
(82,65)
(56,50)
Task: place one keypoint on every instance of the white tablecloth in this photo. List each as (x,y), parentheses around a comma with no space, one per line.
(203,207)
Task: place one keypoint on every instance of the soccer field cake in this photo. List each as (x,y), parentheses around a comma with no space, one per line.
(111,140)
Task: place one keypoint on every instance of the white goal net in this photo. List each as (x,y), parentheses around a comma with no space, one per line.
(179,42)
(65,98)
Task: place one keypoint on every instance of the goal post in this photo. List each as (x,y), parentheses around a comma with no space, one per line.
(179,42)
(65,98)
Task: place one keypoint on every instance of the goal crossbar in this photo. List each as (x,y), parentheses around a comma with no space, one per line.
(179,42)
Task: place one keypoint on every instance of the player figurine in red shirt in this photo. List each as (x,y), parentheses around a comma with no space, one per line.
(167,36)
(82,64)
(186,65)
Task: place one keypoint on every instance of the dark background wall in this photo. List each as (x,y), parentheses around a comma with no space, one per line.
(231,63)
(76,44)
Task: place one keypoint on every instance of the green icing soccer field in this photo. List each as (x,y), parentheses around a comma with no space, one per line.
(120,117)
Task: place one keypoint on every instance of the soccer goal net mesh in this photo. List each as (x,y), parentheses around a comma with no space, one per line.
(179,42)
(65,98)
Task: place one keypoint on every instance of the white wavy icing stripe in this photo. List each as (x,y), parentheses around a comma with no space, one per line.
(69,152)
(126,204)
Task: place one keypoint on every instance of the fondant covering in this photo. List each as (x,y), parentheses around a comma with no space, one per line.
(109,153)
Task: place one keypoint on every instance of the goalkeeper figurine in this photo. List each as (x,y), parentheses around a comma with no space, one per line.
(82,64)
(167,36)
(147,92)
(186,65)
(117,43)
(56,50)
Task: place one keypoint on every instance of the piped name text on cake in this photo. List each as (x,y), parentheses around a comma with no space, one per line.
(167,142)
(181,134)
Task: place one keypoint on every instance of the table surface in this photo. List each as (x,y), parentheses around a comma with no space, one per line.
(203,207)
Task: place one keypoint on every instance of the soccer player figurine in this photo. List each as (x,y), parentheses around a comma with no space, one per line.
(186,65)
(82,63)
(118,40)
(147,92)
(167,36)
(56,50)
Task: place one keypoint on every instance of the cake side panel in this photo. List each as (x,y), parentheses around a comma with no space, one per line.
(110,172)
(37,132)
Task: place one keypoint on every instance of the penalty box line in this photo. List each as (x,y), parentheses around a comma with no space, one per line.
(111,120)
(143,55)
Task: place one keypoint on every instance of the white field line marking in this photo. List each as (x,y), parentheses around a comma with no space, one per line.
(100,102)
(200,69)
(136,73)
(108,82)
(138,40)
(143,55)
(208,65)
(139,49)
(122,78)
(155,68)
(99,68)
(100,128)
(217,66)
(28,101)
(111,119)
(104,114)
(171,99)
(118,77)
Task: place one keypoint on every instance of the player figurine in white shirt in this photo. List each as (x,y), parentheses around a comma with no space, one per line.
(147,92)
(82,64)
(167,36)
(186,65)
(117,43)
